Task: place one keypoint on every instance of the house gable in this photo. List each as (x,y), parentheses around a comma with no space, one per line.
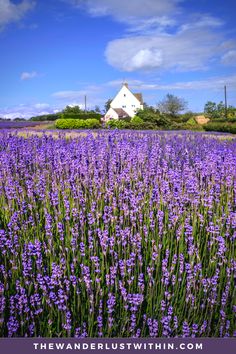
(126,101)
(124,96)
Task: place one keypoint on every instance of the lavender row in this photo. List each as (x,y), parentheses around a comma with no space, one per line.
(18,124)
(122,234)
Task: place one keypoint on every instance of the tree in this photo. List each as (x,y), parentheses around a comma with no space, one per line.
(107,104)
(153,116)
(97,109)
(72,109)
(19,119)
(210,109)
(213,110)
(172,105)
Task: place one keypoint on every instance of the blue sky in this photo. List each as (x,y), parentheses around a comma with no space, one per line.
(54,52)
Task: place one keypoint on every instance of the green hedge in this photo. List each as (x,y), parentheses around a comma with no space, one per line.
(46,117)
(223,120)
(136,124)
(136,120)
(221,127)
(83,115)
(77,124)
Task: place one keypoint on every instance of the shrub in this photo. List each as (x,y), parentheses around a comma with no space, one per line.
(117,124)
(223,120)
(82,115)
(46,117)
(185,117)
(225,127)
(77,124)
(136,120)
(191,121)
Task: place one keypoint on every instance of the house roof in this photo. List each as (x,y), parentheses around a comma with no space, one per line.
(121,113)
(139,96)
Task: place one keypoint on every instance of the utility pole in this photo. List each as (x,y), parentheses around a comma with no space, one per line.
(226,108)
(85,104)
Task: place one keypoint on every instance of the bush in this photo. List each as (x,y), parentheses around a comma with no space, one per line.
(225,127)
(187,116)
(77,124)
(117,124)
(223,120)
(134,125)
(191,121)
(82,115)
(136,120)
(46,117)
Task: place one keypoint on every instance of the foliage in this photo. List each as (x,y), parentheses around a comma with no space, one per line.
(46,117)
(72,110)
(135,124)
(191,121)
(172,105)
(153,116)
(117,124)
(68,112)
(216,111)
(136,120)
(19,119)
(81,115)
(97,109)
(226,127)
(213,110)
(186,116)
(228,120)
(107,104)
(77,124)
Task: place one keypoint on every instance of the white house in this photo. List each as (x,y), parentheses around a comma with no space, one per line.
(125,104)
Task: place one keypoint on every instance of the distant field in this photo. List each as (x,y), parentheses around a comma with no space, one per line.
(24,124)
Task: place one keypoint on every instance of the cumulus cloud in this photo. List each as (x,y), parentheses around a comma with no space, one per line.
(187,50)
(11,12)
(29,75)
(159,36)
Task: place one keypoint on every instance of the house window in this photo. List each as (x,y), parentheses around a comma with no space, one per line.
(124,95)
(123,106)
(133,105)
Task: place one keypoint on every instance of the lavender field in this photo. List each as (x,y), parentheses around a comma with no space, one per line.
(118,234)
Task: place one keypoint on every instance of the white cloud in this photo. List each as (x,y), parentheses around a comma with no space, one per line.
(41,105)
(69,95)
(203,21)
(211,83)
(187,50)
(10,12)
(29,110)
(125,10)
(28,75)
(150,25)
(229,58)
(160,36)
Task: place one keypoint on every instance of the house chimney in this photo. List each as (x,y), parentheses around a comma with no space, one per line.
(126,84)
